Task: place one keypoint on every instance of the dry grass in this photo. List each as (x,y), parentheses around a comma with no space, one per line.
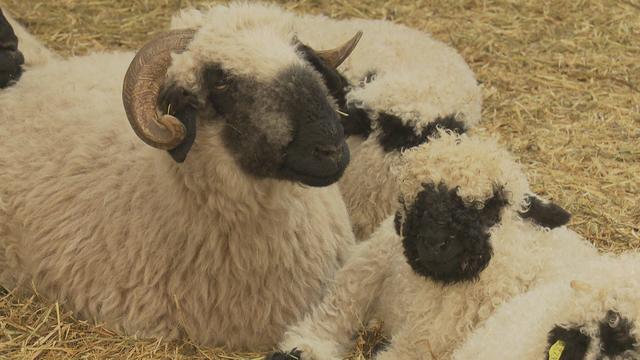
(562,81)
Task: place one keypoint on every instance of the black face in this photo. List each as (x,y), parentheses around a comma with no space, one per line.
(615,336)
(286,128)
(445,239)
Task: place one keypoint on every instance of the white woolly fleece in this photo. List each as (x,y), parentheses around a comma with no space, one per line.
(248,39)
(474,164)
(119,233)
(426,320)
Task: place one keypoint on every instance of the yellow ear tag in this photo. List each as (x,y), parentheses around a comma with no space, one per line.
(555,351)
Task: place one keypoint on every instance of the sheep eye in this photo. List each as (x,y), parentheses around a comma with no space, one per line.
(222,84)
(221,87)
(217,79)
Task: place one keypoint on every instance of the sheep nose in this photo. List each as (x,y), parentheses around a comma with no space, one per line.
(332,152)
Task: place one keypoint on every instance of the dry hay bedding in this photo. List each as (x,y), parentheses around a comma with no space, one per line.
(562,88)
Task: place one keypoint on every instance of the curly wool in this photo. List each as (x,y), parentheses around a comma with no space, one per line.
(520,328)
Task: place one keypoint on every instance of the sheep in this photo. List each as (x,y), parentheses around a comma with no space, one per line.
(216,240)
(402,87)
(456,249)
(594,316)
(398,86)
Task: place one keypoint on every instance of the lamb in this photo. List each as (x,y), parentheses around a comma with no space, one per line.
(592,318)
(457,248)
(395,90)
(216,240)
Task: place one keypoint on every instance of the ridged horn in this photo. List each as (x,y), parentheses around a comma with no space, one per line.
(337,56)
(142,85)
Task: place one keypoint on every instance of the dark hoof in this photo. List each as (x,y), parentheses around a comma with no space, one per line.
(291,355)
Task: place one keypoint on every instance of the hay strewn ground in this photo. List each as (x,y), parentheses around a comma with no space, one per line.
(562,81)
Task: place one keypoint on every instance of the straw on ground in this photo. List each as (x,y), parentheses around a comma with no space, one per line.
(561,83)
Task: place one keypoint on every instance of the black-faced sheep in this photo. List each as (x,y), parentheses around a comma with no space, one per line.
(457,249)
(595,316)
(219,247)
(396,88)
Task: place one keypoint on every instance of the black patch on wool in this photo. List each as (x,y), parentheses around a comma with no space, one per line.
(445,239)
(615,336)
(294,354)
(11,59)
(549,215)
(176,101)
(575,342)
(357,122)
(398,136)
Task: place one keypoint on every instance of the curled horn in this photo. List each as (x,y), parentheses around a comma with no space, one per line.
(142,85)
(337,56)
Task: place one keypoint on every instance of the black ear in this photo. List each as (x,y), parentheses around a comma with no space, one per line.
(545,214)
(567,344)
(182,104)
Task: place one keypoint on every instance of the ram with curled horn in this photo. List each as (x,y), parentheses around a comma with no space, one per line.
(216,240)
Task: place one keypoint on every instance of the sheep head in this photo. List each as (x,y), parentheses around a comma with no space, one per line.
(454,190)
(277,116)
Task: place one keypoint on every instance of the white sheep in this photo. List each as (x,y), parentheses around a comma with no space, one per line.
(218,245)
(457,249)
(595,316)
(398,86)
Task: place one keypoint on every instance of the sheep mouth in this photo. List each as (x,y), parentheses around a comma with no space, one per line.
(461,268)
(316,168)
(312,179)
